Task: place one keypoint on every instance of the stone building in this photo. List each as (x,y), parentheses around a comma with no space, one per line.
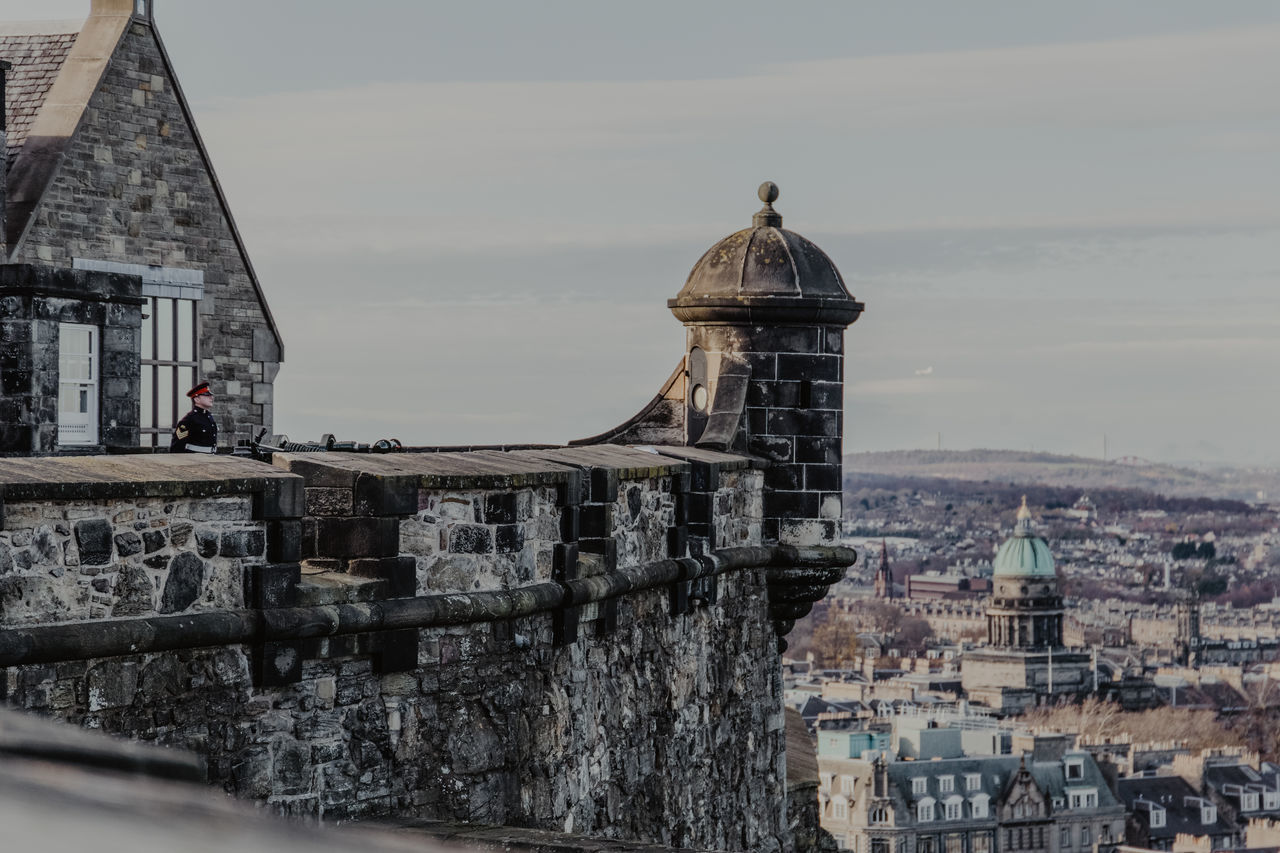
(991,804)
(126,279)
(1024,662)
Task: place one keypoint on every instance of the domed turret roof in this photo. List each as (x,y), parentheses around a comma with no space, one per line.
(765,273)
(1024,554)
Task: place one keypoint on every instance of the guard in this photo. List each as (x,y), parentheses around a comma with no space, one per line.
(197,431)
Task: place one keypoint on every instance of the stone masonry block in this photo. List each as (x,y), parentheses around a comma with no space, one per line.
(281,497)
(597,520)
(284,540)
(377,494)
(400,573)
(357,537)
(604,485)
(273,585)
(470,539)
(500,508)
(815,368)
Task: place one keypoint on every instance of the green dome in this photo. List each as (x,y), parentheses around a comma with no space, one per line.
(1025,554)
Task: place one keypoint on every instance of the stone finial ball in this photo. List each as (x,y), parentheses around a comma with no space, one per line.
(768,192)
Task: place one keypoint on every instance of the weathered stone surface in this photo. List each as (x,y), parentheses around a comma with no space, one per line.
(133,592)
(128,544)
(93,538)
(186,580)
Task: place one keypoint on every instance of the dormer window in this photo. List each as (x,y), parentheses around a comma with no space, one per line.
(1157,816)
(919,785)
(946,784)
(1271,800)
(1075,768)
(1208,813)
(954,808)
(1249,802)
(846,784)
(972,781)
(1083,798)
(924,810)
(879,815)
(979,805)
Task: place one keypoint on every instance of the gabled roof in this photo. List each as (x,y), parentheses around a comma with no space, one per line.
(57,66)
(37,50)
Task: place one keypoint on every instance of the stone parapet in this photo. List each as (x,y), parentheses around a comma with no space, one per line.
(577,640)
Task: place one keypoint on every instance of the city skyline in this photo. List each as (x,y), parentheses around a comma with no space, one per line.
(1063,221)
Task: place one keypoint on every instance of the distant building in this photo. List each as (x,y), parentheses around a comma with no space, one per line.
(1025,662)
(884,576)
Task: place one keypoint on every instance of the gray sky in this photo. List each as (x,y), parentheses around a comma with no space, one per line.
(469,216)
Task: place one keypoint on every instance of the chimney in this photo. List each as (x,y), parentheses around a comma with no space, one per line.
(140,10)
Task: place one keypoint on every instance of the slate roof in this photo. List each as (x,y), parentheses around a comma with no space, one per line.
(37,58)
(1219,776)
(1169,792)
(995,773)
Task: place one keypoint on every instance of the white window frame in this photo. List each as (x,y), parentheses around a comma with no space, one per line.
(1249,801)
(973,781)
(79,428)
(979,805)
(1157,817)
(839,808)
(924,810)
(946,784)
(1208,813)
(919,785)
(846,784)
(954,808)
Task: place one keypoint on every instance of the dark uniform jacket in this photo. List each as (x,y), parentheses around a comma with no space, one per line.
(197,431)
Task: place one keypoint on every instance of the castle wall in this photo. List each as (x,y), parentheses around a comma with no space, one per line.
(654,713)
(133,189)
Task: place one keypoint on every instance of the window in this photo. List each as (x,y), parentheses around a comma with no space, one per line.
(955,808)
(954,842)
(879,845)
(1064,841)
(972,781)
(919,785)
(77,384)
(946,784)
(924,810)
(880,815)
(846,784)
(1083,798)
(1075,769)
(1271,800)
(979,805)
(980,842)
(840,808)
(1249,802)
(170,355)
(1157,817)
(1086,836)
(926,844)
(1208,813)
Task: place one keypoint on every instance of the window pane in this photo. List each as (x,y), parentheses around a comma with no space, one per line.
(147,324)
(186,330)
(148,407)
(185,380)
(164,329)
(164,397)
(147,440)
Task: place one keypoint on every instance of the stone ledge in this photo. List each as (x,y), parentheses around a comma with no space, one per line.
(155,475)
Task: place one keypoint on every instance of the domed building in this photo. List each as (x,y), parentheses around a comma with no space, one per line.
(1024,662)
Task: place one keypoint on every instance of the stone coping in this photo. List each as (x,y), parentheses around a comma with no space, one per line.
(494,469)
(150,475)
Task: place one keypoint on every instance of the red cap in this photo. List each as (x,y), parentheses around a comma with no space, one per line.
(202,388)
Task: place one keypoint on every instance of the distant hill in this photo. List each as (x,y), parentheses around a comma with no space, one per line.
(1256,485)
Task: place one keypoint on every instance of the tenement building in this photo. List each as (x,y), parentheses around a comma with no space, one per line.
(970,805)
(1024,662)
(124,278)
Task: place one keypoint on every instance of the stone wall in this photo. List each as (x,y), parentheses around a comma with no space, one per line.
(647,712)
(134,188)
(34,300)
